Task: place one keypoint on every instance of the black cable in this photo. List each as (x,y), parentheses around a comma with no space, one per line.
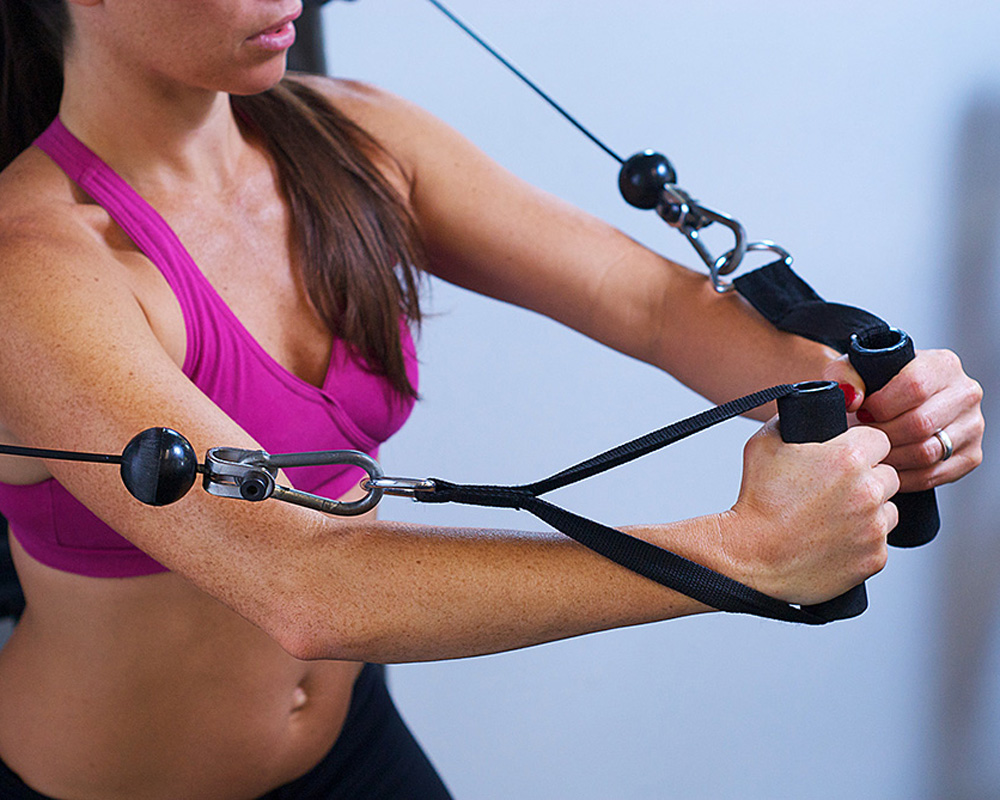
(526,80)
(61,455)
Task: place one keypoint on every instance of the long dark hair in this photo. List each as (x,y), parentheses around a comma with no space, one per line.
(32,33)
(359,247)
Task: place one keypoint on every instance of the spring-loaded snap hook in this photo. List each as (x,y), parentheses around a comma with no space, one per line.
(701,217)
(648,180)
(252,475)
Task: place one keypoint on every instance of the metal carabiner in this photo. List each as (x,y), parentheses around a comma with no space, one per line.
(679,210)
(252,475)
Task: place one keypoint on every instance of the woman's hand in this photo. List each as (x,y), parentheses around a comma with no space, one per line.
(811,520)
(932,393)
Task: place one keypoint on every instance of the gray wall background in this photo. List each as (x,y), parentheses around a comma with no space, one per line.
(862,137)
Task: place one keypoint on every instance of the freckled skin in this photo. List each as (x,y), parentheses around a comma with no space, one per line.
(231,674)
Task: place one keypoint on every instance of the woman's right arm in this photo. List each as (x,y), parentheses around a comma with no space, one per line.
(84,371)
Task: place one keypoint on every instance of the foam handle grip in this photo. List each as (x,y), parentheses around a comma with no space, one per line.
(878,357)
(815,412)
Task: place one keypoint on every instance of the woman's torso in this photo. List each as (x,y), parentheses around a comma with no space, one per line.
(145,687)
(148,688)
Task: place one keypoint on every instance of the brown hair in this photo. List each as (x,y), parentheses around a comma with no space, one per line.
(360,250)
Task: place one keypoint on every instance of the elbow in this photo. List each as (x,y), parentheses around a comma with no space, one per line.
(307,634)
(303,644)
(313,629)
(314,602)
(306,648)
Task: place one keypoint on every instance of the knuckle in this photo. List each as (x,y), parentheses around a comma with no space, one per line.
(878,560)
(973,394)
(875,438)
(916,384)
(890,479)
(922,425)
(891,518)
(928,452)
(870,494)
(853,459)
(975,458)
(978,430)
(920,483)
(951,360)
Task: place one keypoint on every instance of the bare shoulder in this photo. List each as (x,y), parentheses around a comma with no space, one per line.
(38,201)
(34,238)
(43,257)
(408,133)
(60,286)
(365,103)
(50,237)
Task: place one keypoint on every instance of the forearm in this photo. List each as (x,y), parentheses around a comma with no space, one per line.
(521,245)
(391,592)
(717,343)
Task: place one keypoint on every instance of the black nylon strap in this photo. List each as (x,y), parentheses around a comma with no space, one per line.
(668,568)
(877,351)
(663,566)
(792,305)
(657,439)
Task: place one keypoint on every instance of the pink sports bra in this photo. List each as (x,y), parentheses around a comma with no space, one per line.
(353,409)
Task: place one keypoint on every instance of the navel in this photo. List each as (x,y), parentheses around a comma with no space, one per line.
(299,698)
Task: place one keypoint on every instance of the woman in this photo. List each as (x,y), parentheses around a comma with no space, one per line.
(214,649)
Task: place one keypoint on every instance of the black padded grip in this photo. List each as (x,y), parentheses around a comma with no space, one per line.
(815,412)
(878,356)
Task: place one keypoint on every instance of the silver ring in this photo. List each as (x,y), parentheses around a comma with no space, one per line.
(947,448)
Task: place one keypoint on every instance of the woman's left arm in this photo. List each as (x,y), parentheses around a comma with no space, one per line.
(488,231)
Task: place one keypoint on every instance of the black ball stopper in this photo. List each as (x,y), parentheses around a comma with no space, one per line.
(643,176)
(159,466)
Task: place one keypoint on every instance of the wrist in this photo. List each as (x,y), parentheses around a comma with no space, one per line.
(733,536)
(711,541)
(702,540)
(751,557)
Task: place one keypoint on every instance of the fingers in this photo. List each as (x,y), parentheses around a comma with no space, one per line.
(861,448)
(819,512)
(887,479)
(948,443)
(841,371)
(878,481)
(927,394)
(871,444)
(931,394)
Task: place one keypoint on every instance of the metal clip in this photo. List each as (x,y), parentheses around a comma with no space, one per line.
(761,246)
(679,210)
(399,487)
(252,475)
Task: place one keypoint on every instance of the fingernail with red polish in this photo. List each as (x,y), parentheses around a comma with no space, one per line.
(865,416)
(849,394)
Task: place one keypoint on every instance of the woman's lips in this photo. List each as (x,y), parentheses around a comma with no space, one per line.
(277,38)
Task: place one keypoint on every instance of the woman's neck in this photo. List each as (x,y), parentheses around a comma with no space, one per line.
(157,137)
